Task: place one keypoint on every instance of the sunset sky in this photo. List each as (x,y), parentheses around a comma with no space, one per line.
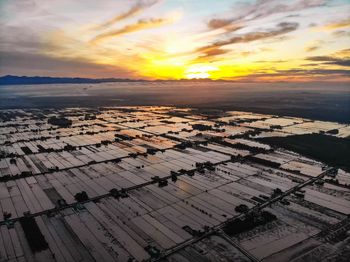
(246,40)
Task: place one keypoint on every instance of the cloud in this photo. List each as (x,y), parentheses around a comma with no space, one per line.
(282,28)
(312,25)
(312,48)
(330,60)
(20,63)
(141,24)
(134,10)
(271,61)
(299,74)
(320,58)
(219,23)
(14,37)
(343,62)
(211,52)
(224,24)
(341,33)
(343,53)
(315,45)
(338,24)
(312,72)
(260,9)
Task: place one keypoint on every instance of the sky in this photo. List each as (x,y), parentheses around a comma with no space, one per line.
(245,40)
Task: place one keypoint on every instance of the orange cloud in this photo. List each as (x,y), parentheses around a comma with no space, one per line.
(134,10)
(141,24)
(215,48)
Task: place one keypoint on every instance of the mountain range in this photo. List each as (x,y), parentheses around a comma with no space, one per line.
(37,80)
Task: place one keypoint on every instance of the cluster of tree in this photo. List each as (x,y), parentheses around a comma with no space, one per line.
(201,127)
(4,154)
(118,193)
(60,121)
(206,165)
(23,174)
(249,222)
(45,150)
(10,116)
(106,142)
(81,197)
(248,134)
(264,162)
(69,147)
(215,139)
(252,149)
(184,145)
(241,121)
(276,192)
(241,208)
(173,176)
(162,182)
(275,127)
(151,151)
(167,122)
(121,137)
(195,232)
(89,117)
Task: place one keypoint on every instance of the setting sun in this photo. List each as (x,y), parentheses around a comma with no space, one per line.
(197,75)
(199,71)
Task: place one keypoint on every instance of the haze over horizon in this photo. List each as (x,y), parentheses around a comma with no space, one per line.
(259,40)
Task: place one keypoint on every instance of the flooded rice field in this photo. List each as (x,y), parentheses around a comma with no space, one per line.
(321,101)
(166,184)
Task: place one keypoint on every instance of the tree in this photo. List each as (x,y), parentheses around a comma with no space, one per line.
(241,208)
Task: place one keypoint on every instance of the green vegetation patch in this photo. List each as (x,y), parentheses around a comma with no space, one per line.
(331,150)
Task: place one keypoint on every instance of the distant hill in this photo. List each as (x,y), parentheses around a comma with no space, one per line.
(35,80)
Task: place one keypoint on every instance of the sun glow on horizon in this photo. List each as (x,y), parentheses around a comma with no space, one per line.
(200,71)
(169,40)
(198,75)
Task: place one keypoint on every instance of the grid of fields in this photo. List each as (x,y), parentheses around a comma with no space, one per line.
(165,184)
